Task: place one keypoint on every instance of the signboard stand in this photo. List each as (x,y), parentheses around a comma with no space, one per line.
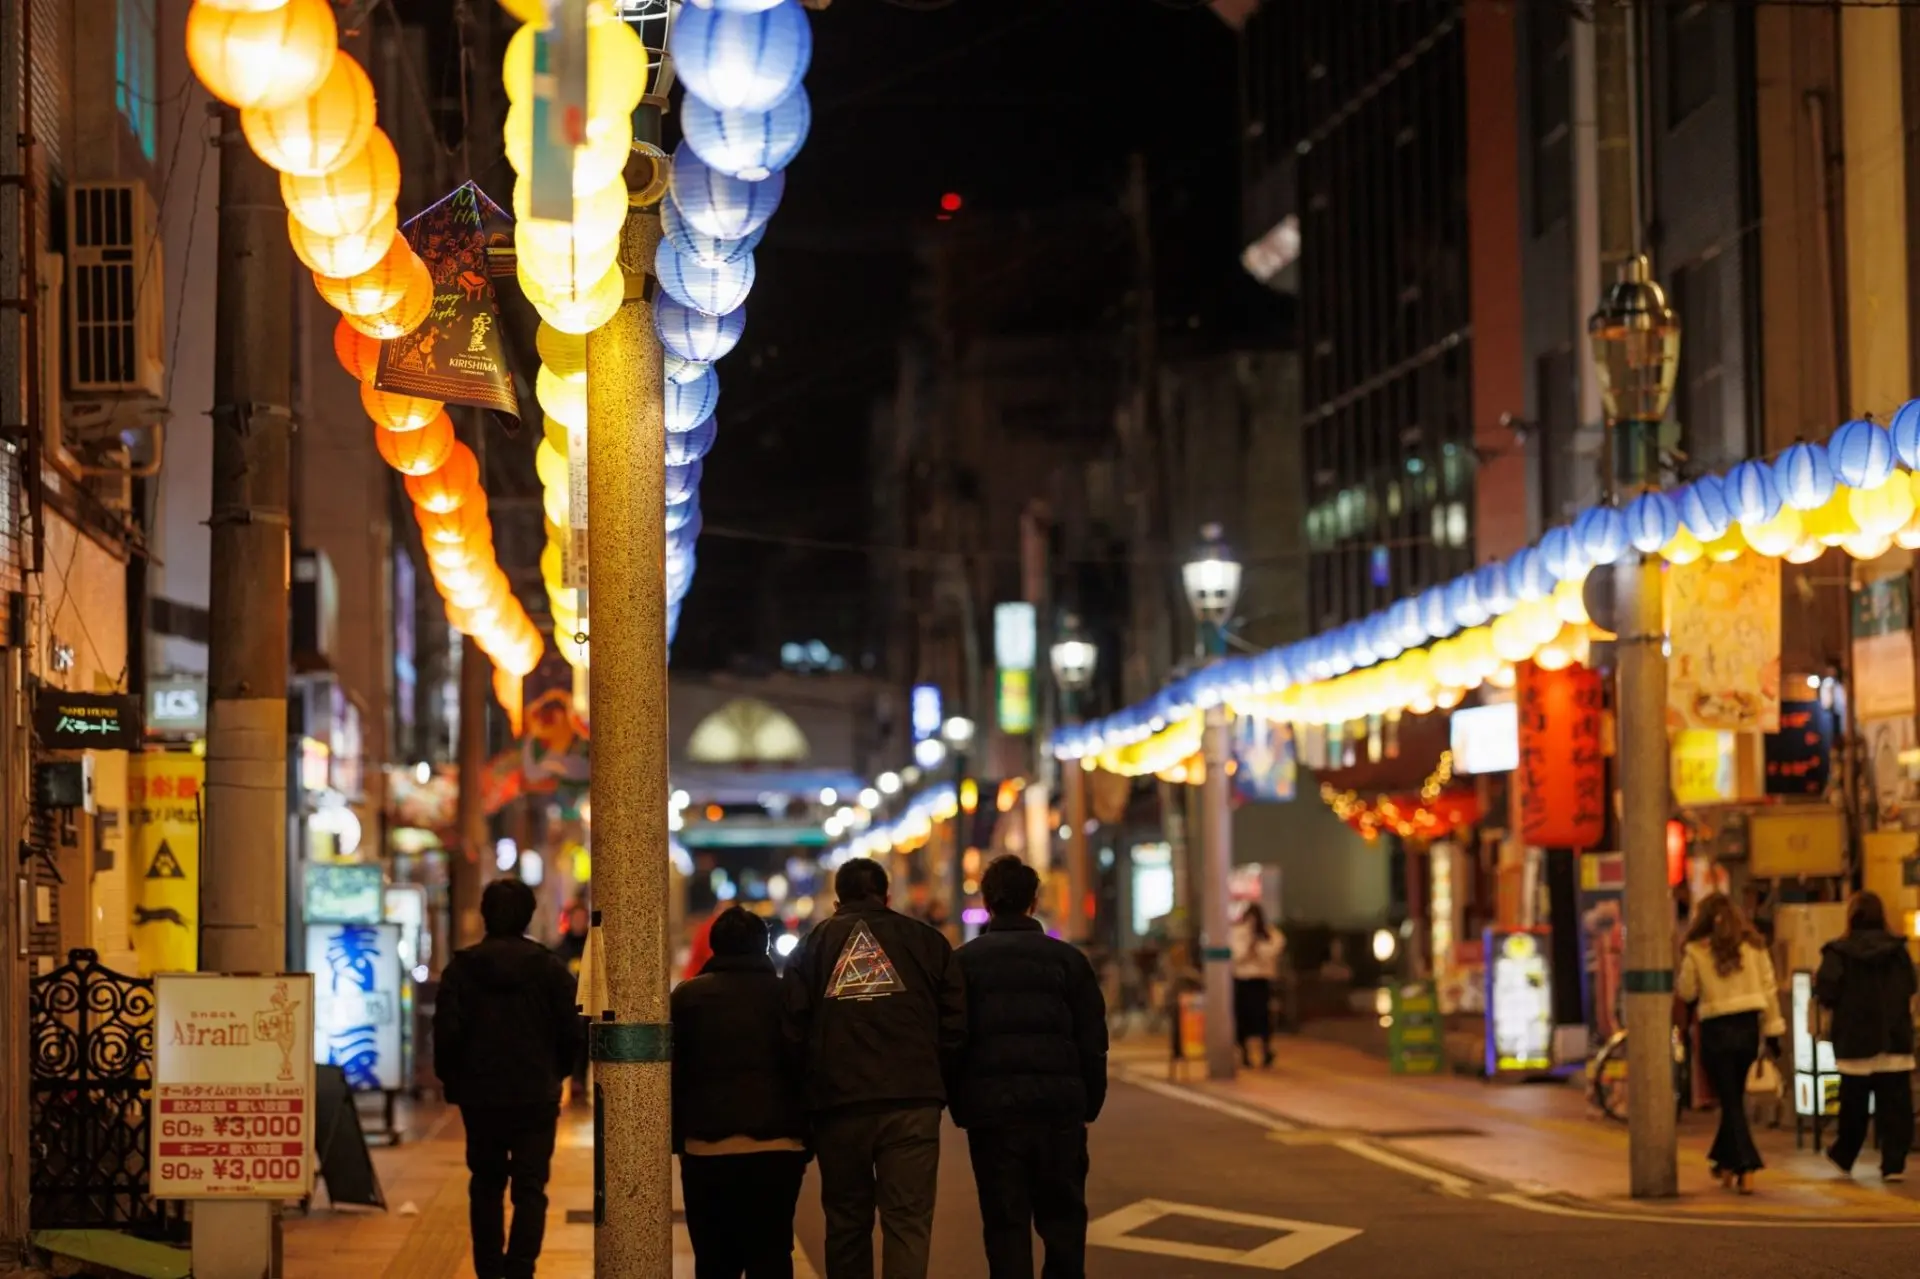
(358,1007)
(1415,1040)
(1816,1075)
(1520,1022)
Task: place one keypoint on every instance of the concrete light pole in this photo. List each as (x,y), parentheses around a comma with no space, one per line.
(1212,582)
(1074,658)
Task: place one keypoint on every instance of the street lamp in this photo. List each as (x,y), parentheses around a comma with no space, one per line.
(958,731)
(1636,352)
(1074,659)
(1212,581)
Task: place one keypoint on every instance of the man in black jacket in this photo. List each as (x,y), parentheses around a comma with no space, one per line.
(1866,978)
(738,1123)
(1033,1077)
(875,1000)
(505,1034)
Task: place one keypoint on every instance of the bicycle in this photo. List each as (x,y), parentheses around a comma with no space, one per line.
(1607,1082)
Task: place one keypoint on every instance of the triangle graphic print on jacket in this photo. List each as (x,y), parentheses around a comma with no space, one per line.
(863,970)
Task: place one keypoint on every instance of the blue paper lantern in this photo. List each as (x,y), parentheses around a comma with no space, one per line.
(1804,476)
(679,513)
(679,370)
(695,335)
(1463,601)
(1562,555)
(703,249)
(737,6)
(690,403)
(719,206)
(690,529)
(713,290)
(1490,584)
(1703,508)
(1353,636)
(1527,576)
(751,145)
(1751,495)
(690,446)
(1383,637)
(682,481)
(1905,431)
(1652,520)
(1861,453)
(1602,534)
(1434,614)
(741,61)
(1408,626)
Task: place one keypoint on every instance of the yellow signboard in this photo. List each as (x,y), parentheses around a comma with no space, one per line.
(163,798)
(1810,842)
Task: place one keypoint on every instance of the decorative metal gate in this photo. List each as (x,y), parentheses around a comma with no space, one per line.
(92,1097)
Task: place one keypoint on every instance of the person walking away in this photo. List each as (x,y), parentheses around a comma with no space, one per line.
(1726,971)
(1866,979)
(1032,1077)
(876,1004)
(738,1123)
(506,1032)
(1256,948)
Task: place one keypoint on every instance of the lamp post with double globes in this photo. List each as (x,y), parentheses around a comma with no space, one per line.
(1074,659)
(1212,582)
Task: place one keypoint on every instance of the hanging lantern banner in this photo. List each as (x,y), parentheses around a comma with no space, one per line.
(559,107)
(1883,683)
(1723,624)
(1563,784)
(456,355)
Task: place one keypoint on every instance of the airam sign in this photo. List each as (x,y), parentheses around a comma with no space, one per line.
(68,721)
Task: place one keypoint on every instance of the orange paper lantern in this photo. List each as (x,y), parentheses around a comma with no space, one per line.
(358,354)
(351,197)
(404,316)
(318,133)
(342,255)
(448,485)
(417,452)
(456,527)
(378,287)
(394,411)
(262,58)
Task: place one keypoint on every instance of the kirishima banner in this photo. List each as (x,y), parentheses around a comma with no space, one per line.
(457,355)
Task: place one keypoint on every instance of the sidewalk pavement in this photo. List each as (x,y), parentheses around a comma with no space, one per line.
(1540,1139)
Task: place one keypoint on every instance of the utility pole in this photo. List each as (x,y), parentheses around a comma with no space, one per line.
(467,866)
(631,1045)
(1216,820)
(244,862)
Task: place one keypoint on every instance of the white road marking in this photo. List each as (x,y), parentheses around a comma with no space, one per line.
(1233,1110)
(1552,1209)
(1452,1183)
(1296,1240)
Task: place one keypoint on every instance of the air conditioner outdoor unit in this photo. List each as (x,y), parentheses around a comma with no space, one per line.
(116,307)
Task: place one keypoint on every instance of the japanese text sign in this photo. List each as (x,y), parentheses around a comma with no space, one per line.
(86,721)
(1563,785)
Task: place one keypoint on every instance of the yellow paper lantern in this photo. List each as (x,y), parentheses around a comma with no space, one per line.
(341,255)
(1776,536)
(1908,537)
(526,10)
(378,287)
(1511,641)
(553,503)
(1569,603)
(318,133)
(599,161)
(394,411)
(357,193)
(417,452)
(554,433)
(564,353)
(1553,657)
(1682,548)
(358,354)
(1730,545)
(1867,546)
(262,58)
(550,566)
(563,401)
(578,313)
(554,261)
(1806,550)
(404,316)
(597,217)
(550,466)
(1831,523)
(1882,511)
(616,64)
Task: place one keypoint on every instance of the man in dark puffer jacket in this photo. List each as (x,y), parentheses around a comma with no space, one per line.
(1033,1077)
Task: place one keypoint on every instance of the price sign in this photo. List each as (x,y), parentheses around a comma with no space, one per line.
(232,1086)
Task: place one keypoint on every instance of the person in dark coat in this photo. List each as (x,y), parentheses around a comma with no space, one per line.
(876,1005)
(739,1126)
(506,1032)
(1033,1076)
(1866,978)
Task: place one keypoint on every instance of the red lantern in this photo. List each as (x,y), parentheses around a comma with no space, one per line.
(1563,785)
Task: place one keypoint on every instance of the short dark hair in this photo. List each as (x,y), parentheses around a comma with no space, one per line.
(1866,912)
(738,931)
(1010,886)
(861,879)
(507,907)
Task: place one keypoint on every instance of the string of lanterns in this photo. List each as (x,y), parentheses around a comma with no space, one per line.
(1859,491)
(307,110)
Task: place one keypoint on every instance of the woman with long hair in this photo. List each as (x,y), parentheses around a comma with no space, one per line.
(1256,949)
(1866,978)
(1726,972)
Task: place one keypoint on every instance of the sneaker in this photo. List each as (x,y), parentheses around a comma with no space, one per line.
(1846,1170)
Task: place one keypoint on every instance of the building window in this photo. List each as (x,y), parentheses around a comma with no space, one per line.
(1690,58)
(1554,392)
(1696,400)
(1549,48)
(135,80)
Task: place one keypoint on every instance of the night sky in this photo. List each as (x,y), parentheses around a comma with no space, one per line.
(1024,106)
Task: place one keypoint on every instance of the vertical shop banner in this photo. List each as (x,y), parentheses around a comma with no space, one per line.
(456,355)
(1264,767)
(1563,792)
(1799,758)
(1723,625)
(356,995)
(1603,938)
(163,796)
(1883,648)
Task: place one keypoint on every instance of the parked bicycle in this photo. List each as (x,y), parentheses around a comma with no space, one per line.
(1608,1081)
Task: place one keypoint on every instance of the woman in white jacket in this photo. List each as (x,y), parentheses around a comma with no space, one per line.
(1257,948)
(1726,969)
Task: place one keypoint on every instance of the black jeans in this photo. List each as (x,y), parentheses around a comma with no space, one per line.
(1728,1048)
(890,1160)
(1253,1017)
(740,1212)
(1032,1178)
(508,1144)
(1892,1095)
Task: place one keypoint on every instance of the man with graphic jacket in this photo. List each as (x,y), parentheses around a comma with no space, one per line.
(879,1006)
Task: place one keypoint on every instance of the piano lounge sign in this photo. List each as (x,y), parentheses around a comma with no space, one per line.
(68,721)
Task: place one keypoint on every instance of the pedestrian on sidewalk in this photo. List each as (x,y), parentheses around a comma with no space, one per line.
(1866,978)
(1726,972)
(1256,948)
(506,1032)
(1033,1076)
(876,1004)
(739,1126)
